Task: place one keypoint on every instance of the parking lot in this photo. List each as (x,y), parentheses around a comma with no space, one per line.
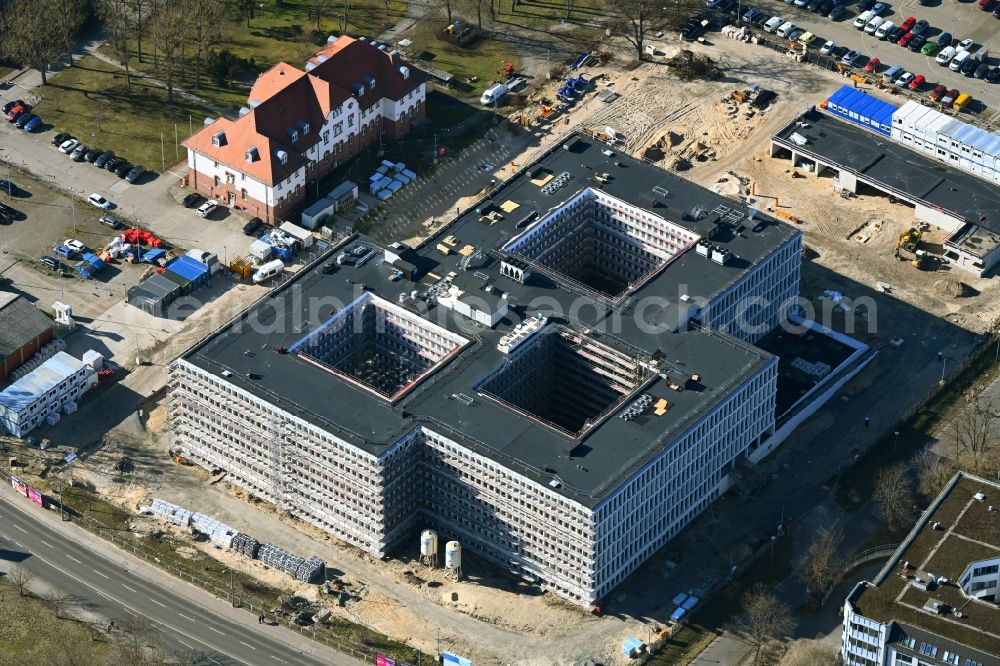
(961,19)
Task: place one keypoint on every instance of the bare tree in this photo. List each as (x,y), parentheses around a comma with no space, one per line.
(32,36)
(806,652)
(933,472)
(20,578)
(635,18)
(138,9)
(317,10)
(207,17)
(345,15)
(975,429)
(61,602)
(447,9)
(246,8)
(821,566)
(894,495)
(117,17)
(170,23)
(762,620)
(137,642)
(70,19)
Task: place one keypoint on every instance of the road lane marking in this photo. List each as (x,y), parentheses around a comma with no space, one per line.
(186,617)
(189,647)
(74,559)
(248,645)
(100,574)
(279,659)
(19,527)
(217,631)
(19,544)
(157,603)
(130,588)
(47,543)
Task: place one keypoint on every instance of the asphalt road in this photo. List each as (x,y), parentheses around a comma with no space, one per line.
(961,19)
(191,621)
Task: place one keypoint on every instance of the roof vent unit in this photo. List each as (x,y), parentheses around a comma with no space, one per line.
(320,59)
(404,71)
(702,247)
(383,48)
(282,156)
(359,89)
(979,496)
(252,154)
(331,39)
(207,121)
(219,139)
(362,39)
(254,103)
(244,110)
(310,66)
(304,127)
(395,54)
(721,255)
(293,134)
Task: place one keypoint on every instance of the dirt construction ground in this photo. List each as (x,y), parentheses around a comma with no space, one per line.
(498,620)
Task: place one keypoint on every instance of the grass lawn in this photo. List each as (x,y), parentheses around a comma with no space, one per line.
(94,105)
(30,633)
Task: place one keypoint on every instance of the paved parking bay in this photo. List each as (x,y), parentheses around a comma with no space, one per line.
(962,19)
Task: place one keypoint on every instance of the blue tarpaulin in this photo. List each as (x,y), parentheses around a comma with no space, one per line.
(677,614)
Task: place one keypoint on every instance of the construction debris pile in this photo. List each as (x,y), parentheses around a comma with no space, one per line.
(689,65)
(299,568)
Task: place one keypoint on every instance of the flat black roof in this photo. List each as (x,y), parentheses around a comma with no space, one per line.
(886,161)
(588,468)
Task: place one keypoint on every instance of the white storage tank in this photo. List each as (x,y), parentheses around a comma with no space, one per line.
(428,543)
(453,556)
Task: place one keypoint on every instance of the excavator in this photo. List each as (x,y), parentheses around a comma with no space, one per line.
(907,248)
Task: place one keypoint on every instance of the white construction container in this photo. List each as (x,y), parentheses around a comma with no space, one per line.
(93,358)
(304,236)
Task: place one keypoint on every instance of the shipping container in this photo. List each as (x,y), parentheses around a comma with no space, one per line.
(195,271)
(862,109)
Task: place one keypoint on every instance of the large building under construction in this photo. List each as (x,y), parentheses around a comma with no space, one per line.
(561,379)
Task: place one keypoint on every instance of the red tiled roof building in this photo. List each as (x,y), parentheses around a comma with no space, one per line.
(300,125)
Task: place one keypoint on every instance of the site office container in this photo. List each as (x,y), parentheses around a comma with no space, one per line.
(196,272)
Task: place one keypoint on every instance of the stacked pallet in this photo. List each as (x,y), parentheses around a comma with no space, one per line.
(280,559)
(310,570)
(215,530)
(171,512)
(244,544)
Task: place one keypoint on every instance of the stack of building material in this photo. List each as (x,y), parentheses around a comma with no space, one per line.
(244,544)
(171,512)
(280,559)
(90,264)
(215,530)
(388,178)
(311,570)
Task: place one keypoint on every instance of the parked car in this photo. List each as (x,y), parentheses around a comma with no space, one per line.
(825,7)
(122,169)
(993,75)
(135,173)
(905,39)
(814,5)
(9,188)
(93,154)
(794,35)
(113,163)
(837,13)
(917,43)
(68,146)
(918,81)
(61,138)
(928,49)
(7,211)
(828,47)
(879,8)
(75,245)
(251,227)
(10,105)
(950,96)
(938,92)
(969,66)
(865,5)
(190,200)
(894,34)
(773,23)
(206,208)
(99,201)
(103,158)
(981,70)
(920,27)
(944,39)
(23,119)
(806,38)
(874,25)
(945,56)
(50,262)
(965,44)
(79,152)
(996,12)
(16,113)
(904,79)
(862,19)
(873,65)
(33,124)
(801,3)
(986,5)
(908,24)
(110,221)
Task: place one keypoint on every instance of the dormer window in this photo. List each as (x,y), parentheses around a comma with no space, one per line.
(359,89)
(252,154)
(293,134)
(304,127)
(282,156)
(219,139)
(370,81)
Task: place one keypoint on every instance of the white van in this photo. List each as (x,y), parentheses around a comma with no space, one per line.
(773,23)
(945,56)
(889,75)
(786,29)
(959,60)
(874,25)
(267,271)
(493,96)
(862,20)
(884,29)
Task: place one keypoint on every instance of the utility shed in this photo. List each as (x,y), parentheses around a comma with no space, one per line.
(318,213)
(304,236)
(153,295)
(197,273)
(862,109)
(23,330)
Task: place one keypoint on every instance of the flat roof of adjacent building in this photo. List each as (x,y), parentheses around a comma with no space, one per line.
(588,468)
(20,323)
(842,144)
(36,383)
(967,532)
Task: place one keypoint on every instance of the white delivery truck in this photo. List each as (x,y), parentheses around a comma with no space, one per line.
(267,271)
(494,95)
